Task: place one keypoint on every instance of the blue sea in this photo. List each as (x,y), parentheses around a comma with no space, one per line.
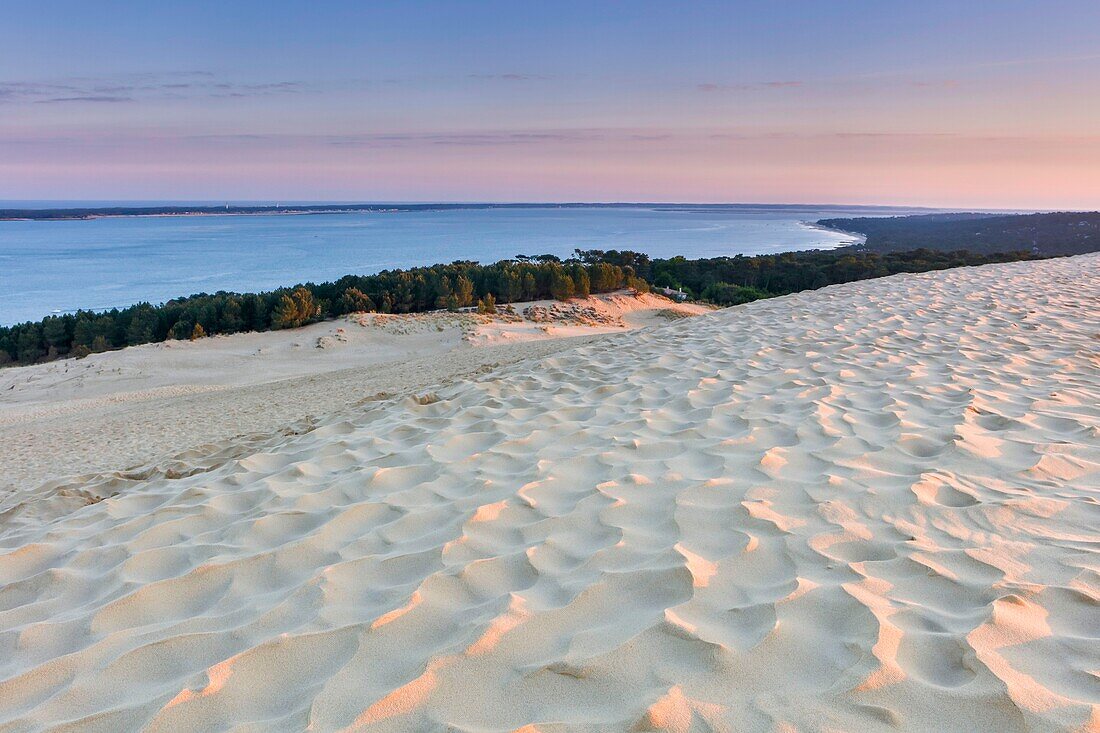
(61,266)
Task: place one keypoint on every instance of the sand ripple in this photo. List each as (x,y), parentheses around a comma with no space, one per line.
(869,507)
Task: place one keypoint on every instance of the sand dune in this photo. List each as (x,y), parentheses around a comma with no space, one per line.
(869,507)
(132,409)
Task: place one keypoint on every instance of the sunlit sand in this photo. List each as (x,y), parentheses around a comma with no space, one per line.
(867,507)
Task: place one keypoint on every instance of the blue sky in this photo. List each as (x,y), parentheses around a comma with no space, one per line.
(953,104)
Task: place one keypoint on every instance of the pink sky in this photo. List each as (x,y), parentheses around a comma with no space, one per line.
(989,105)
(608,165)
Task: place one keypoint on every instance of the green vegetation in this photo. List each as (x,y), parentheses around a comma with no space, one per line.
(454,286)
(722,280)
(299,307)
(487,305)
(736,280)
(1046,234)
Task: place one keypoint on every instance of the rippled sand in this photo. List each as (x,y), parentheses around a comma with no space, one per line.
(869,507)
(134,408)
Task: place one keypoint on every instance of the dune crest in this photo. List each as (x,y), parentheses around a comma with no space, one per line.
(869,507)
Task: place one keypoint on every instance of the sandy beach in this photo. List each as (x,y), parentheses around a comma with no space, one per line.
(870,507)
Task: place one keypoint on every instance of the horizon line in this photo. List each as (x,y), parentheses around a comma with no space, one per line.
(76,203)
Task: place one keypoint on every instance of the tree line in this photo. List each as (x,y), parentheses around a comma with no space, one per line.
(1059,233)
(721,280)
(458,285)
(740,279)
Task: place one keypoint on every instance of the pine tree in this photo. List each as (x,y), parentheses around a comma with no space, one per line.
(444,293)
(285,313)
(30,344)
(355,300)
(295,309)
(581,281)
(511,287)
(141,326)
(487,305)
(561,285)
(56,333)
(232,317)
(180,330)
(83,332)
(464,291)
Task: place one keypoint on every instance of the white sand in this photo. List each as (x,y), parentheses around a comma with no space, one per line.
(869,507)
(138,407)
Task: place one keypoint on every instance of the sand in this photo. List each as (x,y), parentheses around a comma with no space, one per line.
(174,405)
(868,507)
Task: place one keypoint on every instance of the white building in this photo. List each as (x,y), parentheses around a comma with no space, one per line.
(677,295)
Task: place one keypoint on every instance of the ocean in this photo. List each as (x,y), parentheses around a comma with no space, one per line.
(61,266)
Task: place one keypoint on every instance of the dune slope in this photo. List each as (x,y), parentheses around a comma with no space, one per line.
(135,407)
(870,507)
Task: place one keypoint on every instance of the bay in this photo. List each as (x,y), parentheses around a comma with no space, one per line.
(61,266)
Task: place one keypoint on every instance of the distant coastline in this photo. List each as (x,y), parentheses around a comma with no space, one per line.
(1049,234)
(113,212)
(78,214)
(860,239)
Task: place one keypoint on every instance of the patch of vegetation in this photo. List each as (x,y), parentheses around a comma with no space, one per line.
(735,280)
(1065,233)
(454,286)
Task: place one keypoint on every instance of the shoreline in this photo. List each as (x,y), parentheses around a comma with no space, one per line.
(821,227)
(78,213)
(185,214)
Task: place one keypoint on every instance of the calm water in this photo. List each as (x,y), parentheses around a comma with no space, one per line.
(104,263)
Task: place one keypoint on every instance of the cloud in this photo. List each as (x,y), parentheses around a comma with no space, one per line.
(96,99)
(413,139)
(472,139)
(906,135)
(711,87)
(32,142)
(791,84)
(509,77)
(16,90)
(175,85)
(937,84)
(279,86)
(498,138)
(140,87)
(241,91)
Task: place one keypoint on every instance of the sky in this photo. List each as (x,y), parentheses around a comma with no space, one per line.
(979,104)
